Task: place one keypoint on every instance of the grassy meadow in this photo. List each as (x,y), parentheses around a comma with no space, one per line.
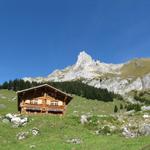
(56,130)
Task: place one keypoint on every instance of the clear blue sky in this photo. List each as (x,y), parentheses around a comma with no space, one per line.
(38,36)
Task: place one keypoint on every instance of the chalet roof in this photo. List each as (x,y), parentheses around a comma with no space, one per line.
(44,85)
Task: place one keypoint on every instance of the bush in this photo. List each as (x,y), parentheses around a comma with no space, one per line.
(121,106)
(105,130)
(135,107)
(92,123)
(143,97)
(115,109)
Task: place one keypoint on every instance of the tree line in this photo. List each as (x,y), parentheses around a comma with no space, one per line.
(72,87)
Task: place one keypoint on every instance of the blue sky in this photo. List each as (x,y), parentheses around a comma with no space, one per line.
(39,36)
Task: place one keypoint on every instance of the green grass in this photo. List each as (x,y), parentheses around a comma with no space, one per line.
(81,106)
(6,98)
(55,130)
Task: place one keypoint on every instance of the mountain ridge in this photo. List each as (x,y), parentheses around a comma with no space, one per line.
(119,78)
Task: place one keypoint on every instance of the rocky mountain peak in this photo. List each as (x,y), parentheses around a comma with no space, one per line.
(83,59)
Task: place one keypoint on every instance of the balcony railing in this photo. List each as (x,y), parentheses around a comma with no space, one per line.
(43,107)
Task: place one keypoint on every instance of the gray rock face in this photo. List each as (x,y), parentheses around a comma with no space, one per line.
(14,98)
(32,146)
(84,119)
(74,141)
(134,126)
(35,131)
(146,116)
(146,81)
(145,129)
(145,108)
(16,120)
(128,133)
(25,134)
(118,85)
(22,135)
(19,121)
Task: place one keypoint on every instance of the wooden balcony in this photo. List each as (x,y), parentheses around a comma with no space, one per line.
(43,108)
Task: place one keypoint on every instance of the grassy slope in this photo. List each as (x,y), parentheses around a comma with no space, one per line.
(55,130)
(6,99)
(136,68)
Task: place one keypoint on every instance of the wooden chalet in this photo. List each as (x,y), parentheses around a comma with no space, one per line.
(43,99)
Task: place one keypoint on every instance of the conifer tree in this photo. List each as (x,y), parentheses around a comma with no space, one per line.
(115,109)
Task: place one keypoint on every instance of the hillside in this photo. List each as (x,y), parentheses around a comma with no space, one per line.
(55,131)
(71,87)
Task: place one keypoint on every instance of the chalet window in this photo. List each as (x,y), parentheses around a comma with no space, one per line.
(60,103)
(27,101)
(39,101)
(54,103)
(35,102)
(48,102)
